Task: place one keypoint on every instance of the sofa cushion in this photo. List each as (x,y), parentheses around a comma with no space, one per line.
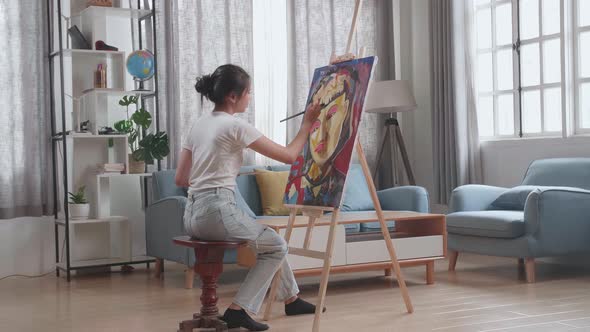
(249,189)
(272,187)
(164,185)
(515,198)
(375,226)
(241,203)
(356,191)
(567,172)
(352,228)
(497,224)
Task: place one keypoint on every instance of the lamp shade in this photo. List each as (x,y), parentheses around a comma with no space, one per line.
(390,97)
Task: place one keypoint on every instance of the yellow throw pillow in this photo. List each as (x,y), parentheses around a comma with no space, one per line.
(272,189)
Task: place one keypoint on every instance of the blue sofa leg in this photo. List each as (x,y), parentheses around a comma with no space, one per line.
(530,270)
(453,259)
(159,267)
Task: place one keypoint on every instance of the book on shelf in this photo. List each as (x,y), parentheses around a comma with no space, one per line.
(111,168)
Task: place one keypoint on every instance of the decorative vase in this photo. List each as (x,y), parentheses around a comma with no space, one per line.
(136,167)
(79,211)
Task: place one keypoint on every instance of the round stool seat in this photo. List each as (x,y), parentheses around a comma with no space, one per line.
(190,242)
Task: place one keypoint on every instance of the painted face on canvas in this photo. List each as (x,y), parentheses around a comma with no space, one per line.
(325,132)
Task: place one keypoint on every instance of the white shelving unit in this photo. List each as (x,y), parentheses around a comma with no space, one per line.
(107,101)
(115,233)
(87,240)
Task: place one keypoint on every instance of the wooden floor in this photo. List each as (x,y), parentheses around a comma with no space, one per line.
(484,294)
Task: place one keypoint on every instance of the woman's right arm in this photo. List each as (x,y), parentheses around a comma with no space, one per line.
(288,154)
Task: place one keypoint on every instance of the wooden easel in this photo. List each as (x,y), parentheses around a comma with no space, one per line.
(315,213)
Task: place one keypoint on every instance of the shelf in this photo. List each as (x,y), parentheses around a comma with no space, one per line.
(117,175)
(91,136)
(105,262)
(77,52)
(114,92)
(94,11)
(93,221)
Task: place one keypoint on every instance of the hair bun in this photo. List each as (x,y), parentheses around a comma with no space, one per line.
(204,85)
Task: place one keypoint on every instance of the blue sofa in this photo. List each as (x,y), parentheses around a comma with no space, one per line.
(164,215)
(548,215)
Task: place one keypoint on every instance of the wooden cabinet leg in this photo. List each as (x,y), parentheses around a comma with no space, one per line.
(530,270)
(388,272)
(159,267)
(453,255)
(430,273)
(189,277)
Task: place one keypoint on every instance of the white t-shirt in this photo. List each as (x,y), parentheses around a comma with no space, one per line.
(217,141)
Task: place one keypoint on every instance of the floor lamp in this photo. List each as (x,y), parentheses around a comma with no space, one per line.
(391,97)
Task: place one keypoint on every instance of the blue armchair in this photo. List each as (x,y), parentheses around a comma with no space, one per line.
(164,217)
(548,215)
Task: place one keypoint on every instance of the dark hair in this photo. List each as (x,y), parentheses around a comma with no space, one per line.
(223,81)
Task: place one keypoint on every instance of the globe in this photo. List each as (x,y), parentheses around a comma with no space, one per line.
(140,64)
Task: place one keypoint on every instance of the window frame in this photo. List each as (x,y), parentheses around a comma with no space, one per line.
(577,31)
(496,93)
(517,88)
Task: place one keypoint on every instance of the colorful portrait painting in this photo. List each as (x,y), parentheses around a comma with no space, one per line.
(318,175)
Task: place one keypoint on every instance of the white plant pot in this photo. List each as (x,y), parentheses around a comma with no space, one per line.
(79,211)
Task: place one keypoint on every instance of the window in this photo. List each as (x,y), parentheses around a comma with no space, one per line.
(270,70)
(582,64)
(523,67)
(495,75)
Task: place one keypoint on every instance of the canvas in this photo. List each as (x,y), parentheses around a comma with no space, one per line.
(318,175)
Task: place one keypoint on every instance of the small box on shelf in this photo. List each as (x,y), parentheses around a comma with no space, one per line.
(101,3)
(111,168)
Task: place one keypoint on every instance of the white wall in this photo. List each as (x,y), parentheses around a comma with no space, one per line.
(504,162)
(26,246)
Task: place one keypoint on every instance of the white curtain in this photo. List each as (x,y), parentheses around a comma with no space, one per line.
(194,38)
(270,71)
(456,150)
(318,28)
(25,179)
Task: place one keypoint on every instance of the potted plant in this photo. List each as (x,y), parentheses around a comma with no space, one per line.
(144,147)
(78,206)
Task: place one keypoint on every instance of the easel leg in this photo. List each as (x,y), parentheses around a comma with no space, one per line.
(309,232)
(275,281)
(325,272)
(384,230)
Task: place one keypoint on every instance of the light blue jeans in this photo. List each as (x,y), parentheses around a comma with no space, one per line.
(213,215)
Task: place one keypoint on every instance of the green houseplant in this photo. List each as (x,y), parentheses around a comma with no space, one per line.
(144,146)
(78,205)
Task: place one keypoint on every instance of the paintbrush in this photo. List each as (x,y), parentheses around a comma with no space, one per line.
(298,114)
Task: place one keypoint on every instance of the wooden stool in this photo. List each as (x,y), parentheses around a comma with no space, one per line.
(209,255)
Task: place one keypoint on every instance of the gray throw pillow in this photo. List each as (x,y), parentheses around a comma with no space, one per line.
(515,198)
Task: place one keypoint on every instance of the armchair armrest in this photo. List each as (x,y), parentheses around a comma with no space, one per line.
(163,221)
(407,198)
(558,220)
(474,197)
